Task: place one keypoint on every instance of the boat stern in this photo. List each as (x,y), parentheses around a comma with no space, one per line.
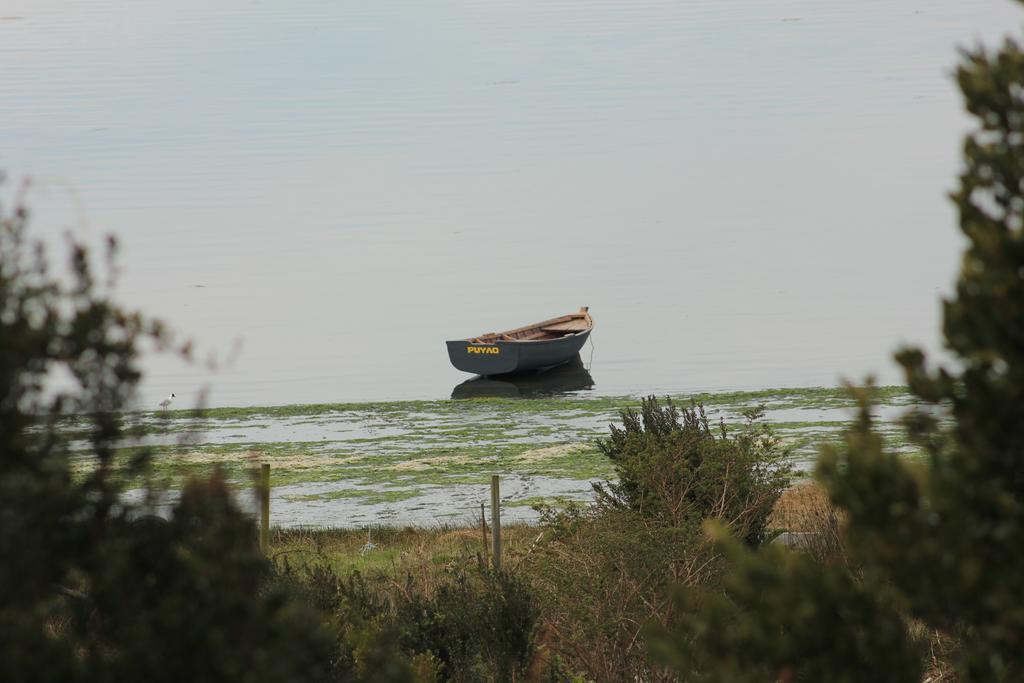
(483,359)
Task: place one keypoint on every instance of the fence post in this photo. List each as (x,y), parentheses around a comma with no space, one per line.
(496,522)
(264,507)
(483,530)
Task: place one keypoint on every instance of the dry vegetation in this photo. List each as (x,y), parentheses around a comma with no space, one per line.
(805,512)
(399,552)
(803,508)
(420,560)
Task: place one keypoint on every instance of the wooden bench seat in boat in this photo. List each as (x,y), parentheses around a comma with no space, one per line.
(568,327)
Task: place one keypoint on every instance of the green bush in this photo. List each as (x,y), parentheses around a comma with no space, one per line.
(605,571)
(673,466)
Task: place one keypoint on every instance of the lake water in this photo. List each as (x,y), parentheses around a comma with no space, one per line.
(747,194)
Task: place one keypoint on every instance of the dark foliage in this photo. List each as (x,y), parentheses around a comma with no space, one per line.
(93,588)
(951,539)
(812,623)
(468,626)
(943,541)
(675,467)
(477,628)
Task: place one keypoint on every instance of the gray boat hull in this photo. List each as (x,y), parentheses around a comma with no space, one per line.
(504,357)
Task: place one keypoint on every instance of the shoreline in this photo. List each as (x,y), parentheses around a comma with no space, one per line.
(809,396)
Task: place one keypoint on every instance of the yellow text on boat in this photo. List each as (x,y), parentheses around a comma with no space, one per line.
(494,350)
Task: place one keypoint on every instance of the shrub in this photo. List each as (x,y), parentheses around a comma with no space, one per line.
(674,467)
(600,576)
(463,626)
(606,571)
(479,627)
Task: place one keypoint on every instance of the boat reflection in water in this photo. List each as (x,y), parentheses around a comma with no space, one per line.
(561,379)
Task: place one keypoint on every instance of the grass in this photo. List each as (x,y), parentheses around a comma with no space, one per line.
(396,551)
(801,508)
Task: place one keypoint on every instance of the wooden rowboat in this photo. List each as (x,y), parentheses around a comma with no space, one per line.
(527,348)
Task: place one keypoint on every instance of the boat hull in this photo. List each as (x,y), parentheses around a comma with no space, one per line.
(504,357)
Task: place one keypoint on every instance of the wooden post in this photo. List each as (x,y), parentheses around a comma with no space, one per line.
(483,530)
(496,521)
(264,507)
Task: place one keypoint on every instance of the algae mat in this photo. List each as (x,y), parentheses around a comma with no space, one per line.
(427,462)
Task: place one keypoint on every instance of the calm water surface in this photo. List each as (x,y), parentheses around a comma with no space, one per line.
(746,194)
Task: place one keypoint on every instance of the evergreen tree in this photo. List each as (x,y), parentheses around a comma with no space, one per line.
(942,542)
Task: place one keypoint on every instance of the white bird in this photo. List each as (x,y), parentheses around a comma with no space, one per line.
(370,545)
(166,403)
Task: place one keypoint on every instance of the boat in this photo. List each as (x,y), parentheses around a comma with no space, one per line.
(523,349)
